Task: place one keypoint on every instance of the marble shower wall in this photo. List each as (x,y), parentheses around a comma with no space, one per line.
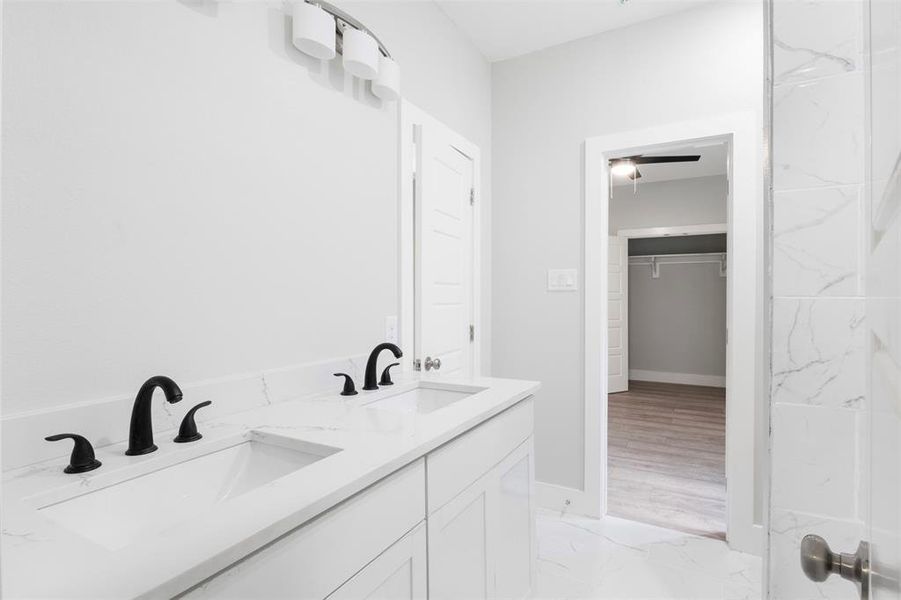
(819,412)
(883,282)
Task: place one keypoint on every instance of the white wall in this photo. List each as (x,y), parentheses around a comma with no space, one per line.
(696,201)
(186,194)
(677,322)
(544,106)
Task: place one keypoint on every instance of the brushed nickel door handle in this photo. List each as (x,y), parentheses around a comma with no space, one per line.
(818,562)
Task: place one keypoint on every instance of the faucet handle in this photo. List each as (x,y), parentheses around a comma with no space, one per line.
(349,388)
(82,459)
(188,430)
(386,375)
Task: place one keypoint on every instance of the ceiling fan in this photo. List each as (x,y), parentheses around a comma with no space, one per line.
(627,166)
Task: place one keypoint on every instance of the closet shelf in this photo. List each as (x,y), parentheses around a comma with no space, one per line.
(655,260)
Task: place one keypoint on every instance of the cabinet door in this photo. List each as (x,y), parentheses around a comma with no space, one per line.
(399,573)
(514,525)
(459,553)
(482,543)
(459,463)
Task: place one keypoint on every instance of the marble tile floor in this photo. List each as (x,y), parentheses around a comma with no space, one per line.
(613,558)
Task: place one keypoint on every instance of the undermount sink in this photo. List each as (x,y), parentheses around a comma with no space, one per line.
(126,511)
(425,398)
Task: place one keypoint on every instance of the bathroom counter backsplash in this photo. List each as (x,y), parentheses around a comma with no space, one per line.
(42,558)
(105,421)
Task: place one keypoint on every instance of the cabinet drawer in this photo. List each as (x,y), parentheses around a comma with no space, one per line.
(319,556)
(462,461)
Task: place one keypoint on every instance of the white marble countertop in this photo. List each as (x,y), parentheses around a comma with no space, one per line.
(41,559)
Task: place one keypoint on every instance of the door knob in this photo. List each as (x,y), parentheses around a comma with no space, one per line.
(818,562)
(431,363)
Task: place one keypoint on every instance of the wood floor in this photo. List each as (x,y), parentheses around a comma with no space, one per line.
(666,451)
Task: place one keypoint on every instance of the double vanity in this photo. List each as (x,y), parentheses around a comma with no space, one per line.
(421,489)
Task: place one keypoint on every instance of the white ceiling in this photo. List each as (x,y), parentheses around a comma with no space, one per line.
(712,162)
(504,29)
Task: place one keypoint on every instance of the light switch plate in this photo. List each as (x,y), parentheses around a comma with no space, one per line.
(562,280)
(391,329)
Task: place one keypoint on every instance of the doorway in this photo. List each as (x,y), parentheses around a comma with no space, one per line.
(440,241)
(745,411)
(667,360)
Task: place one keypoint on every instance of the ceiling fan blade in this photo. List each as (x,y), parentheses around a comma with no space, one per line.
(650,160)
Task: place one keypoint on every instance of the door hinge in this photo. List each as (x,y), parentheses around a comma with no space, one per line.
(472,196)
(472,333)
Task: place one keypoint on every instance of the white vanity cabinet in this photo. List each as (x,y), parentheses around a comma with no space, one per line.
(318,557)
(482,539)
(458,523)
(398,574)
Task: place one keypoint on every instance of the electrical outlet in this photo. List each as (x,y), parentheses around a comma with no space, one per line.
(391,329)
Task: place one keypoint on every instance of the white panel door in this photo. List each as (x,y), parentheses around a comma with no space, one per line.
(399,573)
(618,315)
(444,257)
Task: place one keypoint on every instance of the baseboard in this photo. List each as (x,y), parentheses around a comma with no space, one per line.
(746,539)
(683,378)
(562,499)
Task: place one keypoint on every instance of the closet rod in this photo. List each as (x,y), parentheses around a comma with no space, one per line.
(655,260)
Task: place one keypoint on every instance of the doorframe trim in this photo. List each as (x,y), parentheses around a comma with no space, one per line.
(410,117)
(746,447)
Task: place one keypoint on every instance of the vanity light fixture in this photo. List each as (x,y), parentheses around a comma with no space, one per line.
(361,53)
(323,30)
(313,31)
(387,85)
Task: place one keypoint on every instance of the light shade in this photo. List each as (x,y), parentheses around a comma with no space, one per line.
(387,85)
(361,54)
(623,168)
(313,30)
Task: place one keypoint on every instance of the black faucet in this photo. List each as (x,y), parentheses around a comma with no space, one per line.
(369,382)
(187,432)
(349,389)
(140,435)
(82,459)
(386,375)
